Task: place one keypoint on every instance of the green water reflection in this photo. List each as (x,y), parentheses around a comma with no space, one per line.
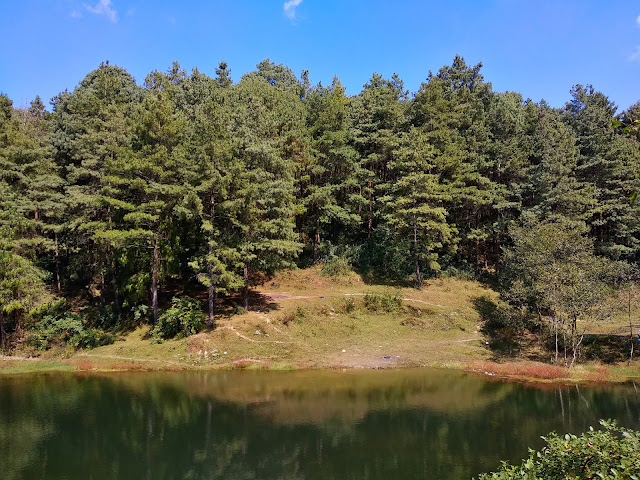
(423,424)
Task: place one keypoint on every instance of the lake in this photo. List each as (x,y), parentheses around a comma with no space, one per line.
(392,424)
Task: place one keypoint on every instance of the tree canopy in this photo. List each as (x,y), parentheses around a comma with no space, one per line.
(126,192)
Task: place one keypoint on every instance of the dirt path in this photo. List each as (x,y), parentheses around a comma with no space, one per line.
(17,357)
(248,339)
(287,296)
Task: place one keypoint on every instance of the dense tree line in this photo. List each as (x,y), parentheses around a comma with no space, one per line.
(123,190)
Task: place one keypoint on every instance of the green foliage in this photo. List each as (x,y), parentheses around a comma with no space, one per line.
(298,316)
(301,313)
(336,266)
(183,318)
(552,270)
(59,328)
(503,323)
(239,310)
(610,453)
(191,180)
(383,302)
(349,306)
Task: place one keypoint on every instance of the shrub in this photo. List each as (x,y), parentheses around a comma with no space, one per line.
(384,302)
(66,329)
(610,453)
(349,305)
(298,316)
(301,313)
(183,318)
(239,310)
(336,266)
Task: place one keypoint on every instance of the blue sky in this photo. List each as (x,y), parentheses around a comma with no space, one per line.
(536,47)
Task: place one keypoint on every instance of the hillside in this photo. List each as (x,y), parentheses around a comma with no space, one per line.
(302,319)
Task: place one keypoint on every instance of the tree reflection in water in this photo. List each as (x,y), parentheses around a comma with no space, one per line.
(299,425)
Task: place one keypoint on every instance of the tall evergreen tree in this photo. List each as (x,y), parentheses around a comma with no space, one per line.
(27,167)
(608,163)
(551,189)
(327,182)
(451,110)
(209,148)
(223,75)
(378,116)
(268,121)
(150,178)
(91,128)
(413,204)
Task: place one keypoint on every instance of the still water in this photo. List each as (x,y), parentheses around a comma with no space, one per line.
(416,424)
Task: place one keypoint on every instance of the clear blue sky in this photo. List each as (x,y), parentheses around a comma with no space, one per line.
(536,47)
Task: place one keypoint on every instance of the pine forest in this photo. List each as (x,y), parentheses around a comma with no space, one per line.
(122,197)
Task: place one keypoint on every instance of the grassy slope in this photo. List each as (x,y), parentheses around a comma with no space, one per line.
(302,319)
(290,325)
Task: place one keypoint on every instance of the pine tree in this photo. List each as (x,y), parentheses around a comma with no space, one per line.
(608,164)
(451,110)
(92,128)
(413,205)
(378,116)
(551,189)
(327,182)
(208,145)
(223,75)
(268,122)
(22,284)
(149,178)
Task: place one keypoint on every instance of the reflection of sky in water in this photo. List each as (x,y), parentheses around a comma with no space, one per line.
(262,425)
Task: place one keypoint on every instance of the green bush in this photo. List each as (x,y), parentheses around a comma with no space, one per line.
(239,310)
(384,302)
(298,316)
(349,305)
(607,454)
(183,318)
(66,329)
(336,266)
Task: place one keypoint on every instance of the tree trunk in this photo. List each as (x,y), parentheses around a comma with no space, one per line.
(212,299)
(555,327)
(114,281)
(3,333)
(316,240)
(245,290)
(415,252)
(631,339)
(103,289)
(574,346)
(212,286)
(114,278)
(370,226)
(154,280)
(58,282)
(576,350)
(564,344)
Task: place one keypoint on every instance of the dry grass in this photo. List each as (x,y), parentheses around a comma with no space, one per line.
(17,366)
(302,319)
(521,370)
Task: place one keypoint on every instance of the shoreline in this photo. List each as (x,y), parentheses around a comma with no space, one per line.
(535,374)
(308,321)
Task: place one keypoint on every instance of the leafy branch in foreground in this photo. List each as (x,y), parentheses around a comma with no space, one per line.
(610,453)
